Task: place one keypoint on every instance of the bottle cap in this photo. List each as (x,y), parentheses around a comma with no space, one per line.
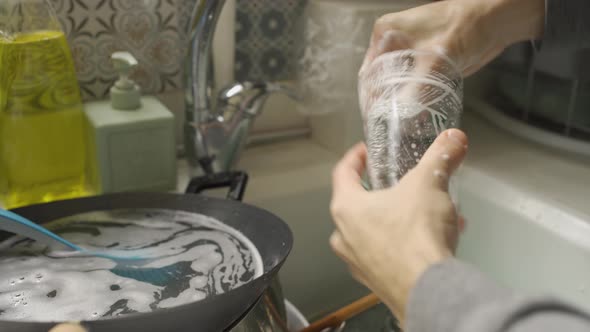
(125,94)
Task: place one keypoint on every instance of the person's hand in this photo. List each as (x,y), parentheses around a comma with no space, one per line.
(390,237)
(470,32)
(68,327)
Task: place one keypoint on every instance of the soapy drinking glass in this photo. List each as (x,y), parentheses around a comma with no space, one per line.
(407,99)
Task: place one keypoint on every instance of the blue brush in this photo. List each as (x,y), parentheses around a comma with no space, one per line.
(14,223)
(172,274)
(127,265)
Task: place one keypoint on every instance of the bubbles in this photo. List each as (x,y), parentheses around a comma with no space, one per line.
(439,174)
(18,299)
(445,156)
(413,145)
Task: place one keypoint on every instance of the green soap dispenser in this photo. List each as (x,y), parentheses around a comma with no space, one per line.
(131,138)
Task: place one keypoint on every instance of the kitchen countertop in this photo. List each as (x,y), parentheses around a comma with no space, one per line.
(266,164)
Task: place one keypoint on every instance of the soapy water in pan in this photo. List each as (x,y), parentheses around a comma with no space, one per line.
(191,257)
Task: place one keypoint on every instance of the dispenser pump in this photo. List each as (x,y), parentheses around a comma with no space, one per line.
(125,94)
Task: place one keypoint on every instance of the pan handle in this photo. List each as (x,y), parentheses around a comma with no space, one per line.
(236,181)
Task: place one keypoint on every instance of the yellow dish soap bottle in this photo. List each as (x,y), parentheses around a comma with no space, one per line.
(43,153)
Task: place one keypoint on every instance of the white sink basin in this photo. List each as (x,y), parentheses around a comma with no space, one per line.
(524,242)
(528,214)
(526,208)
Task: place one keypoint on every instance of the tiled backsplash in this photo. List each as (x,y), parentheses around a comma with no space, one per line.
(153,31)
(266,38)
(149,29)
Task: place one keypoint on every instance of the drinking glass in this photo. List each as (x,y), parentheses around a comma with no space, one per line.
(407,99)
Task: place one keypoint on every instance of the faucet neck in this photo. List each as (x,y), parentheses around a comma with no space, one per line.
(213,140)
(199,81)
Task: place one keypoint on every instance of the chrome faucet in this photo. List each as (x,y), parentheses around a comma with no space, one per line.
(216,131)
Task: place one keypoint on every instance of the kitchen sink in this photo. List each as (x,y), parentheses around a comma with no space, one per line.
(527,211)
(526,208)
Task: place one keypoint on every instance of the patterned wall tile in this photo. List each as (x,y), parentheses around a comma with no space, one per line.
(149,29)
(266,38)
(154,32)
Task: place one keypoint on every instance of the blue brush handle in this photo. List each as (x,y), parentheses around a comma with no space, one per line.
(14,223)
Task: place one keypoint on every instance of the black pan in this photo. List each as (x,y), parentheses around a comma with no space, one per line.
(270,235)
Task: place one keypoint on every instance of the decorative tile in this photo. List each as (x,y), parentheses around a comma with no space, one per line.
(334,41)
(154,32)
(266,35)
(151,30)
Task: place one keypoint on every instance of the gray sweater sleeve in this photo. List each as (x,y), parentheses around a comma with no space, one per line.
(567,24)
(452,297)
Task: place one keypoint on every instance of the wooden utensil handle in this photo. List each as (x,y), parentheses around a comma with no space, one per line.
(343,314)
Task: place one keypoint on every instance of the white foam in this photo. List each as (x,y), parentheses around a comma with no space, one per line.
(45,288)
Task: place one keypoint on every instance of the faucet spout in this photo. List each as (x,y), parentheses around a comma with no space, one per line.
(215,132)
(199,84)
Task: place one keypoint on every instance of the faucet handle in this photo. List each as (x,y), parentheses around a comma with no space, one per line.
(285,89)
(249,96)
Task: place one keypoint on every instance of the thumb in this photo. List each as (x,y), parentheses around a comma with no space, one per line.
(442,158)
(68,327)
